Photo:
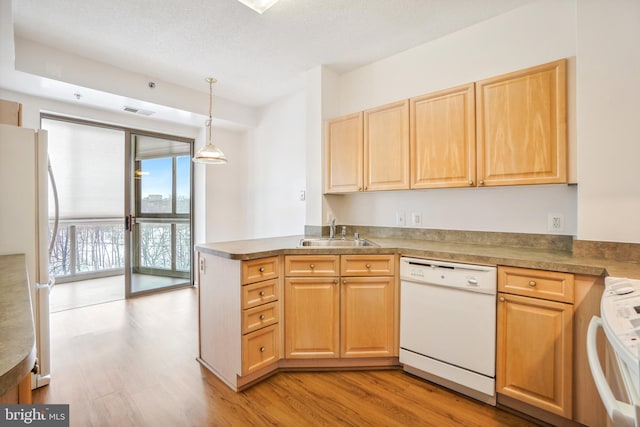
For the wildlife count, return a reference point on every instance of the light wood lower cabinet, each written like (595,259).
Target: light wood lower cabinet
(367,317)
(20,394)
(312,317)
(535,349)
(340,316)
(541,365)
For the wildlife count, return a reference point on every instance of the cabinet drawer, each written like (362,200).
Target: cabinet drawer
(260,348)
(259,293)
(367,265)
(312,265)
(259,269)
(259,317)
(550,285)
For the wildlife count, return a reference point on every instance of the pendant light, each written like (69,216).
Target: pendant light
(210,154)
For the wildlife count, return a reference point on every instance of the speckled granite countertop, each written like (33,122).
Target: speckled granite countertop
(543,259)
(17,334)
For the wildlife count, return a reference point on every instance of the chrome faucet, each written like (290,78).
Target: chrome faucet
(344,232)
(332,229)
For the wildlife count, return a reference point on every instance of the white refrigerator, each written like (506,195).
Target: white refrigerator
(24,223)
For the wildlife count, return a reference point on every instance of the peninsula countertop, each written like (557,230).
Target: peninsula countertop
(17,333)
(542,259)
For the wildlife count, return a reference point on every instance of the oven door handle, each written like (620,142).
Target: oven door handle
(621,413)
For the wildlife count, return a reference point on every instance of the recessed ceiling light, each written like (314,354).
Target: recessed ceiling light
(258,5)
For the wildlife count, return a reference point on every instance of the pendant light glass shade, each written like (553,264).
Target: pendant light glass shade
(210,154)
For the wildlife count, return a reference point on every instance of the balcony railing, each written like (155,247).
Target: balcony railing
(92,248)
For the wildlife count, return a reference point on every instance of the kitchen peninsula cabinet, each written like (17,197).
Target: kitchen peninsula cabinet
(522,127)
(443,138)
(340,306)
(239,317)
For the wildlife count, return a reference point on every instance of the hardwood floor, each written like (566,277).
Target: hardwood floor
(132,363)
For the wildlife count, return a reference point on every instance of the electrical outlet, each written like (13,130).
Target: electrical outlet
(400,219)
(555,223)
(416,218)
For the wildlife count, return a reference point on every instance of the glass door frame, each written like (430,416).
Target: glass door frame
(132,210)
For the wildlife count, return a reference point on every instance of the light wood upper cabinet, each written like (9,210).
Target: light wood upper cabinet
(443,138)
(10,113)
(344,154)
(386,147)
(522,127)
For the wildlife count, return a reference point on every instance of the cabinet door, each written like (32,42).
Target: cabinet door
(386,147)
(367,317)
(10,113)
(535,350)
(344,154)
(522,127)
(312,317)
(443,138)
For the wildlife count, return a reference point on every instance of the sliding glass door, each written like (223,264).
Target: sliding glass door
(159,221)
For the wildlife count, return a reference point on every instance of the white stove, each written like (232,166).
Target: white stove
(620,311)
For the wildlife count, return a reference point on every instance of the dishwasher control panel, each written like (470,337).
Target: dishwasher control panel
(479,278)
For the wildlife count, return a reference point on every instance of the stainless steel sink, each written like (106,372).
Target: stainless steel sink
(324,242)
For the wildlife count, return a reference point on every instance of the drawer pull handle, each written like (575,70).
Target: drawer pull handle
(261,293)
(261,269)
(532,283)
(368,265)
(344,282)
(312,266)
(501,299)
(261,349)
(262,317)
(335,281)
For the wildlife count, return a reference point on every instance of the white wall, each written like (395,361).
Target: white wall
(225,190)
(608,93)
(534,34)
(507,209)
(276,169)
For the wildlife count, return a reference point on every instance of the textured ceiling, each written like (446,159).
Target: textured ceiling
(256,58)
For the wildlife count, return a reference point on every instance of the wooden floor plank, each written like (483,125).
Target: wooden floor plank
(133,363)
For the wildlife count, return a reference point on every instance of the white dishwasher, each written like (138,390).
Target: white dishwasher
(448,325)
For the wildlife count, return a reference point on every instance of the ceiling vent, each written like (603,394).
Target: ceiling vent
(138,111)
